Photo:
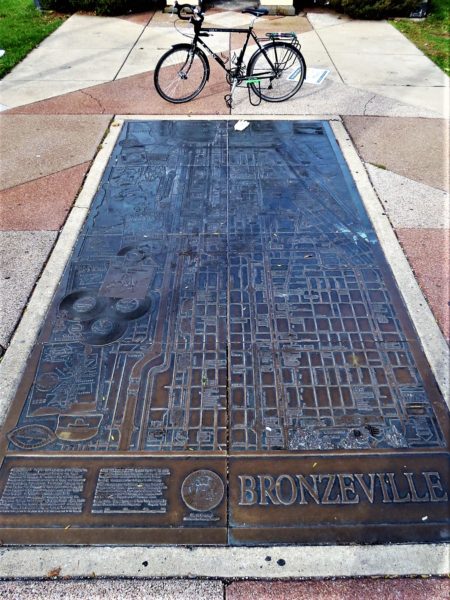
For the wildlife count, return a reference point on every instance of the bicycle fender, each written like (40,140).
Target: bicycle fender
(269,45)
(199,51)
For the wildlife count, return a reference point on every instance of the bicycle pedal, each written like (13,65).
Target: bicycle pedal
(229,100)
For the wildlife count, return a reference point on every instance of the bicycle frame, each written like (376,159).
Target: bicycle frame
(240,59)
(271,58)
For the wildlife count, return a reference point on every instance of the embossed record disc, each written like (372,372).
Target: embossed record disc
(133,254)
(128,309)
(202,490)
(104,331)
(83,305)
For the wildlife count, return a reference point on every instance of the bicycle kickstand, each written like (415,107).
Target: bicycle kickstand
(229,97)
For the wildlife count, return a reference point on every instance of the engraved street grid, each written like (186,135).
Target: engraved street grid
(196,229)
(227,295)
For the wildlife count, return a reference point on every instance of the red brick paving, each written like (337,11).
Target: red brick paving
(139,18)
(350,589)
(135,95)
(41,204)
(414,148)
(428,251)
(36,145)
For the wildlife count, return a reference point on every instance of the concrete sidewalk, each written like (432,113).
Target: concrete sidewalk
(61,100)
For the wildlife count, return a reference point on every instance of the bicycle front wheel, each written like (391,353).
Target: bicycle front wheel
(279,70)
(181,74)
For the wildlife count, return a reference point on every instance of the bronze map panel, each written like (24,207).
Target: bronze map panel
(227,313)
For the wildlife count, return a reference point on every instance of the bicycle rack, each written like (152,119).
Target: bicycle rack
(291,38)
(248,82)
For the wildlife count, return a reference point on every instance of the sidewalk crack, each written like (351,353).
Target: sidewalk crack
(368,102)
(96,100)
(116,76)
(329,55)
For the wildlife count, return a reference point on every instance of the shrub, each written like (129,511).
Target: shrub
(100,7)
(374,9)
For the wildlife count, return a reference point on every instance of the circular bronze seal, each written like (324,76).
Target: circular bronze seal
(202,490)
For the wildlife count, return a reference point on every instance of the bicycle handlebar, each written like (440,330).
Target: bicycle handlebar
(187,12)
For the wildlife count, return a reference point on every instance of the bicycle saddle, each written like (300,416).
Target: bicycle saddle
(256,12)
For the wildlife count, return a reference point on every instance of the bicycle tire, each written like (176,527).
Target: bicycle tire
(181,74)
(287,59)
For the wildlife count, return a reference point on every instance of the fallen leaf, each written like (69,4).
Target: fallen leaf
(355,360)
(54,572)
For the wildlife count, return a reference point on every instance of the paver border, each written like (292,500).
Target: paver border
(208,561)
(226,562)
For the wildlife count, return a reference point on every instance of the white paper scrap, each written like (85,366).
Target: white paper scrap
(314,76)
(241,125)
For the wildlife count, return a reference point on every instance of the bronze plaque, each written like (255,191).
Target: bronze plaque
(341,498)
(227,359)
(114,500)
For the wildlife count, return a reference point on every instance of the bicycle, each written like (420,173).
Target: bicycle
(275,71)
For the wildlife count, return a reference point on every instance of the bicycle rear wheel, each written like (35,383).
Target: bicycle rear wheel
(284,79)
(181,74)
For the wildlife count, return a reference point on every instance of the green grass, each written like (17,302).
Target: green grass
(432,36)
(22,28)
